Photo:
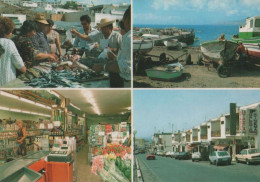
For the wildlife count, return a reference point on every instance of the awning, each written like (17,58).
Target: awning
(220,147)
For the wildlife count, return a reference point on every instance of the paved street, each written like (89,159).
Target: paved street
(168,169)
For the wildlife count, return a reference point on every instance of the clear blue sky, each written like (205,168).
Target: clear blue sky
(184,108)
(193,12)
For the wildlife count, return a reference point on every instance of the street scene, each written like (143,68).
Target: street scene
(189,135)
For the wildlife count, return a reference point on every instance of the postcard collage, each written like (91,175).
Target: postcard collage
(129,90)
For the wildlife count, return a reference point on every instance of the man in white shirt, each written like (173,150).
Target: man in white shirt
(87,30)
(107,38)
(122,62)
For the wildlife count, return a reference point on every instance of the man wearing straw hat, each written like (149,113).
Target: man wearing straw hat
(107,38)
(39,40)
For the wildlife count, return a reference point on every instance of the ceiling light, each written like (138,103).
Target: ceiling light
(53,93)
(4,108)
(89,96)
(74,106)
(8,95)
(27,100)
(15,110)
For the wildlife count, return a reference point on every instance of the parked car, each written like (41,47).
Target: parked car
(248,156)
(183,155)
(219,157)
(159,153)
(150,156)
(196,156)
(175,154)
(169,154)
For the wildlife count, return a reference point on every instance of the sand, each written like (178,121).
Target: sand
(201,76)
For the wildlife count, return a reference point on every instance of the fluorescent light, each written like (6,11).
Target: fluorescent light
(74,106)
(27,100)
(15,110)
(53,93)
(4,108)
(41,105)
(90,98)
(8,95)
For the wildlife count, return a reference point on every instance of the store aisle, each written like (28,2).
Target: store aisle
(84,168)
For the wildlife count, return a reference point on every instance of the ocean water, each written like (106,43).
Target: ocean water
(204,32)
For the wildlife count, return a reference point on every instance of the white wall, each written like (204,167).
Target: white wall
(223,127)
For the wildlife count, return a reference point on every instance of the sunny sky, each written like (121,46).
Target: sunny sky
(184,108)
(193,12)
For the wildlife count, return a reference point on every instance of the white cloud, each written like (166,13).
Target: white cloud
(151,18)
(251,3)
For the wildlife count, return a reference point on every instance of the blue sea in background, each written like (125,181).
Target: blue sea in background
(204,32)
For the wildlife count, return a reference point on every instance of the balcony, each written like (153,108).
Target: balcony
(204,137)
(215,134)
(195,138)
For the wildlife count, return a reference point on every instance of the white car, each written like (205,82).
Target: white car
(196,156)
(219,157)
(248,156)
(169,154)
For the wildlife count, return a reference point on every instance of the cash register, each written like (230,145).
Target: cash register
(61,154)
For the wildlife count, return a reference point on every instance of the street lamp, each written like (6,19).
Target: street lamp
(135,131)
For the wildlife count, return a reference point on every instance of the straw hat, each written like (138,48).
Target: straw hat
(40,17)
(104,22)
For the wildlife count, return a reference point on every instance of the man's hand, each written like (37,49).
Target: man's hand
(53,57)
(111,56)
(112,66)
(74,31)
(98,68)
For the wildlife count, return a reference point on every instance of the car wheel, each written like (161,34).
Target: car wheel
(192,160)
(247,162)
(210,162)
(217,164)
(237,160)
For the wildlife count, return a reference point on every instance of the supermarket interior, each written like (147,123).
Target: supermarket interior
(65,135)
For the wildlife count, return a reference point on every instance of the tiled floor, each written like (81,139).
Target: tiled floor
(84,168)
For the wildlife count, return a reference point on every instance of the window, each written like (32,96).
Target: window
(257,23)
(251,23)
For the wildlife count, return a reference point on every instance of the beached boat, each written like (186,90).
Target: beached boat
(143,46)
(167,72)
(218,50)
(172,44)
(249,35)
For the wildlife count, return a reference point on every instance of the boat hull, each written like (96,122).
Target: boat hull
(252,46)
(143,46)
(168,73)
(218,50)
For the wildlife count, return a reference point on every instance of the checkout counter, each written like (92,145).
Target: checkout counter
(35,168)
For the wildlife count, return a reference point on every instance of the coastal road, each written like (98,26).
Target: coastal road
(165,169)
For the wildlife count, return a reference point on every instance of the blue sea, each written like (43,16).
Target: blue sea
(204,32)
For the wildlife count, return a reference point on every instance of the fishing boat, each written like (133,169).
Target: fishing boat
(172,44)
(167,72)
(215,51)
(249,35)
(143,46)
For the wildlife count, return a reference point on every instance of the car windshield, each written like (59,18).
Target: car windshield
(222,153)
(253,151)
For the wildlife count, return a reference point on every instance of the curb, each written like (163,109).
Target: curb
(138,171)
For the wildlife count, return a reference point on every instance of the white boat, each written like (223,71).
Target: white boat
(172,44)
(168,72)
(150,36)
(143,46)
(249,35)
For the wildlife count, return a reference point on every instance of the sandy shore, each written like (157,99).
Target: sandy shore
(200,76)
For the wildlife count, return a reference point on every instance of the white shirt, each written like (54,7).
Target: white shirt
(114,39)
(84,43)
(124,57)
(9,62)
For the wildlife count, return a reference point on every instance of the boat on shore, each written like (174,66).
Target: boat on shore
(142,46)
(172,44)
(249,35)
(216,51)
(166,73)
